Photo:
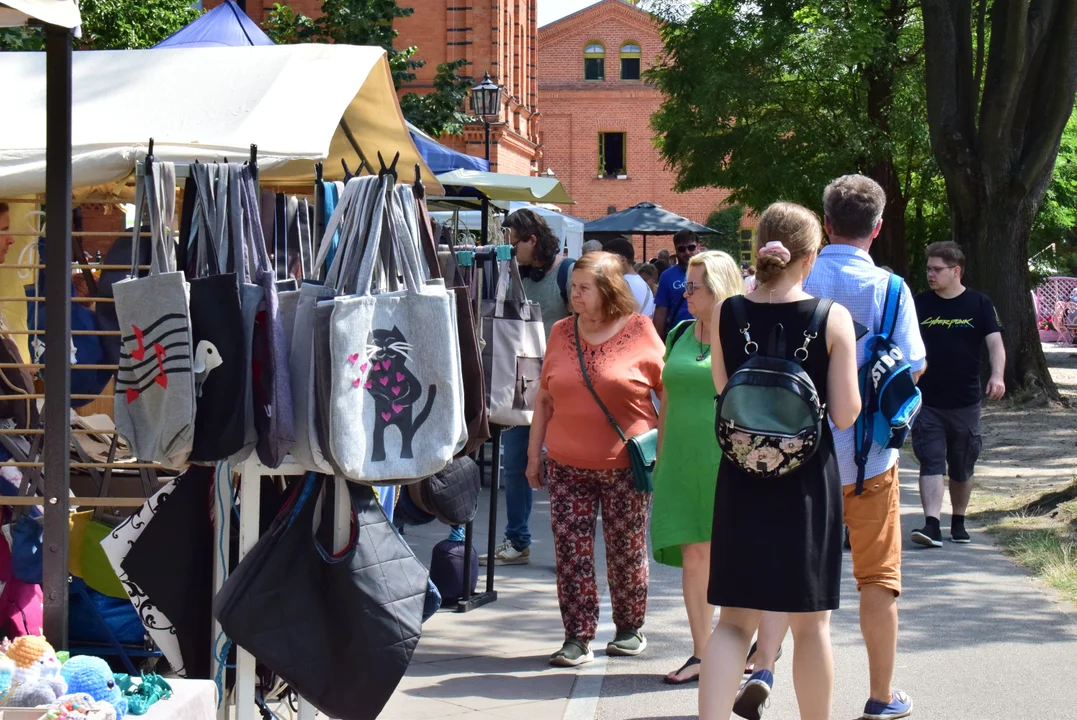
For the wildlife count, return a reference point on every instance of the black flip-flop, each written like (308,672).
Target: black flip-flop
(695,678)
(749,667)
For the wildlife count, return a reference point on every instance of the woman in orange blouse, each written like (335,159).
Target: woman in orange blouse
(588,464)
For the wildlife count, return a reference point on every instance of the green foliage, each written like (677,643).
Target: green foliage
(1056,221)
(113,25)
(439,113)
(370,22)
(771,99)
(726,223)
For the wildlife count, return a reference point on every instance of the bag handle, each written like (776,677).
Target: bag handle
(590,387)
(205,223)
(509,278)
(387,215)
(353,223)
(158,191)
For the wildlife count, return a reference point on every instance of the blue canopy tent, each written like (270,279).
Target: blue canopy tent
(224,26)
(442,159)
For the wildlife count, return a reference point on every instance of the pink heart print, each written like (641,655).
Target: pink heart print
(354,358)
(363,367)
(397,408)
(386,417)
(396,390)
(357,382)
(368,384)
(377,366)
(400,377)
(384,380)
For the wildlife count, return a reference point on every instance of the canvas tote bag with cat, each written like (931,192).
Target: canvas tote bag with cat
(515,345)
(154,405)
(395,365)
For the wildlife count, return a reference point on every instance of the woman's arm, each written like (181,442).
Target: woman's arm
(540,419)
(717,357)
(843,388)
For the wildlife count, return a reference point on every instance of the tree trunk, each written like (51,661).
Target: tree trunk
(996,155)
(890,248)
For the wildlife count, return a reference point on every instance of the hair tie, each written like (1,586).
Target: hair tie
(775,249)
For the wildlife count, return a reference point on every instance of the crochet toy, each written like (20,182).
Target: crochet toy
(36,679)
(80,706)
(93,676)
(7,671)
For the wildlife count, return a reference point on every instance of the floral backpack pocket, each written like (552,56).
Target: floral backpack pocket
(769,419)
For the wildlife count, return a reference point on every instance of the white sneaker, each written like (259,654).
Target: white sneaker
(507,554)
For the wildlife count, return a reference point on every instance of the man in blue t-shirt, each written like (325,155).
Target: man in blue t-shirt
(670,306)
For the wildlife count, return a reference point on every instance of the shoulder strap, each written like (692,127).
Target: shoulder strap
(587,381)
(817,318)
(562,278)
(891,306)
(680,330)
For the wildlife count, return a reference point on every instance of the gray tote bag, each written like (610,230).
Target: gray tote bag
(395,364)
(515,346)
(154,404)
(306,450)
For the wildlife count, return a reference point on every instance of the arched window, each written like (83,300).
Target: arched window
(631,57)
(594,62)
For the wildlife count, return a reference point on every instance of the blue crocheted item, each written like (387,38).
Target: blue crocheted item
(93,676)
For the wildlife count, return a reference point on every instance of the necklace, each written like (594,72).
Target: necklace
(703,353)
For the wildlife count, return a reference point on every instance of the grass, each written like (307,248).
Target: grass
(1040,533)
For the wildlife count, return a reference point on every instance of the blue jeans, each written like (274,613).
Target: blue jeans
(518,493)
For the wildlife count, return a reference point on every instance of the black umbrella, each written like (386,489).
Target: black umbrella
(644,219)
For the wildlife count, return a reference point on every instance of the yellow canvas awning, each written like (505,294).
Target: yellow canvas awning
(502,186)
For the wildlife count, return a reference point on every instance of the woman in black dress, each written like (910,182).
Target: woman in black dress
(776,544)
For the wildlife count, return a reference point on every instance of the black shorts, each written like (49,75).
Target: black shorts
(948,441)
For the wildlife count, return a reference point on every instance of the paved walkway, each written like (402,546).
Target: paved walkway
(979,641)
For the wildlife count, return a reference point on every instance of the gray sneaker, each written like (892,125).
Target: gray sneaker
(627,643)
(507,554)
(574,652)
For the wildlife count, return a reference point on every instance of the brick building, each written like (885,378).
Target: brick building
(495,36)
(596,111)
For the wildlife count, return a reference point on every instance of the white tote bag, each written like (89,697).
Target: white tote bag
(395,414)
(515,346)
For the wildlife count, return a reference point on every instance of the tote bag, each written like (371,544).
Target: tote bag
(154,405)
(472,380)
(306,450)
(394,413)
(515,345)
(271,386)
(220,351)
(313,617)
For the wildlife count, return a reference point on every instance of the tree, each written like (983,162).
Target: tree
(1001,78)
(726,223)
(113,25)
(1053,245)
(774,99)
(370,22)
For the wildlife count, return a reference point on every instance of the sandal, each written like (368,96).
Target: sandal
(672,678)
(749,667)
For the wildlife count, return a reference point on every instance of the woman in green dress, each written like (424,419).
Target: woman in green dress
(688,453)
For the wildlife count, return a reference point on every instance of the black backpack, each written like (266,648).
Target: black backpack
(769,418)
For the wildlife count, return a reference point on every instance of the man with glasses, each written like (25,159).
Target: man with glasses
(954,322)
(670,307)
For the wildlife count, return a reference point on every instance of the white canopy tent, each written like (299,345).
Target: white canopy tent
(297,103)
(567,228)
(63,13)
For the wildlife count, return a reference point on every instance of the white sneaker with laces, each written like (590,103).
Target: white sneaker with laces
(507,554)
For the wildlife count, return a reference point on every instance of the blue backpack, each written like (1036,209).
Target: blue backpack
(889,397)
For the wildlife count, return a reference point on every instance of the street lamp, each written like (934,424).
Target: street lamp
(485,103)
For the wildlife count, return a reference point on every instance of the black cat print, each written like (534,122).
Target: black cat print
(385,375)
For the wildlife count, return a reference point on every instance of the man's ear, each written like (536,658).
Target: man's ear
(878,229)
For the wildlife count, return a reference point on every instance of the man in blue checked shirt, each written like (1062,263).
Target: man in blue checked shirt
(845,272)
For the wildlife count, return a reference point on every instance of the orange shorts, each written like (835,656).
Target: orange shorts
(874,522)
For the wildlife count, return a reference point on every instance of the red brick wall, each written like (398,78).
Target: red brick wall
(575,111)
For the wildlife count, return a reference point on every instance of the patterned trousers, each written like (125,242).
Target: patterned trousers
(575,498)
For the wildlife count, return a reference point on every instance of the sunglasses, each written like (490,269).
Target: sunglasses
(686,248)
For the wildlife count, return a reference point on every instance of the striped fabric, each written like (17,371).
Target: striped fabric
(849,276)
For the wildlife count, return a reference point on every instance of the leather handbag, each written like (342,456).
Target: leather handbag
(642,448)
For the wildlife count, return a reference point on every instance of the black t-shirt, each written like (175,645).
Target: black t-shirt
(953,332)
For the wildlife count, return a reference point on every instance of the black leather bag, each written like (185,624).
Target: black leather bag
(452,495)
(339,629)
